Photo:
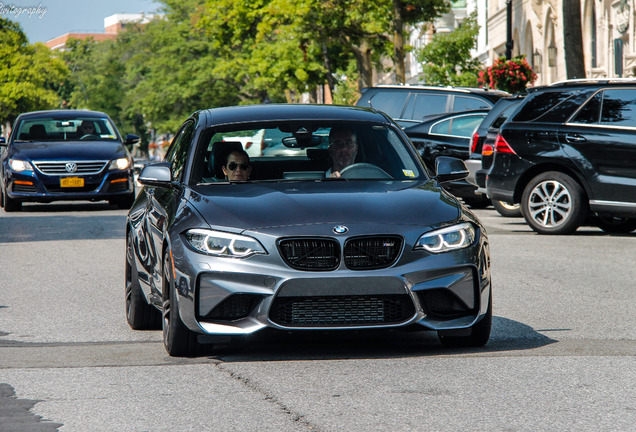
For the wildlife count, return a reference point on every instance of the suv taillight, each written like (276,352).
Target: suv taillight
(473,145)
(501,146)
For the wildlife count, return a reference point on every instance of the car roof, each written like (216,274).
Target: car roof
(283,112)
(63,113)
(585,82)
(468,90)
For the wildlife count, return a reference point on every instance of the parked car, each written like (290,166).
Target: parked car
(49,157)
(567,156)
(382,246)
(410,105)
(449,134)
(482,148)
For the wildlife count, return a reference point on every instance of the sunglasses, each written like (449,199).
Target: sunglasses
(233,165)
(338,144)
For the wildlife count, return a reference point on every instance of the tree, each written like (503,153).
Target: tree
(447,59)
(405,12)
(29,74)
(573,39)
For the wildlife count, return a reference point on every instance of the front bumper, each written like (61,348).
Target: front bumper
(221,296)
(32,186)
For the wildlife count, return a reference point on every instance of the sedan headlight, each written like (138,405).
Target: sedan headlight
(223,244)
(120,164)
(447,239)
(19,165)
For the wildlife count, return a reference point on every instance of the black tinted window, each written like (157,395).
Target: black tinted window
(589,114)
(541,102)
(390,102)
(619,107)
(178,151)
(421,105)
(467,103)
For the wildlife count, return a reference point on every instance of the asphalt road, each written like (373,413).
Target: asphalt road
(562,355)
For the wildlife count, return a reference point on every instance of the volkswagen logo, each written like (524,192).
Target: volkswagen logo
(71,167)
(340,229)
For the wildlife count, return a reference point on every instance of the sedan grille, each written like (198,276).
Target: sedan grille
(365,253)
(311,254)
(70,167)
(336,311)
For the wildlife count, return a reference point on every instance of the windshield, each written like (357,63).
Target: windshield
(305,151)
(66,129)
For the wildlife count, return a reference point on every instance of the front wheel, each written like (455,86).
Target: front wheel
(139,314)
(554,203)
(178,339)
(616,225)
(10,204)
(507,210)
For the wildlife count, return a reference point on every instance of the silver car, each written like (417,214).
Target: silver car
(382,246)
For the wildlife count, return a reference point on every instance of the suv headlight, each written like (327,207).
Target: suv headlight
(223,244)
(19,165)
(447,239)
(119,164)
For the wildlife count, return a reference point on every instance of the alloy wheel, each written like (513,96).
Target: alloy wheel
(550,204)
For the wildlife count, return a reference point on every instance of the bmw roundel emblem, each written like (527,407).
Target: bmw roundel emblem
(340,229)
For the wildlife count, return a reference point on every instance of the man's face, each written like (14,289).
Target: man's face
(343,149)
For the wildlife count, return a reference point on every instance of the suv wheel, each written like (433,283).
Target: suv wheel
(507,210)
(553,203)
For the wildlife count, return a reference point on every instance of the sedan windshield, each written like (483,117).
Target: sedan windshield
(66,129)
(305,151)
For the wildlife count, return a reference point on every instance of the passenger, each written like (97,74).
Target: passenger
(237,166)
(343,148)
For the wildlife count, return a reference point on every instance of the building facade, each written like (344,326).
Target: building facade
(608,36)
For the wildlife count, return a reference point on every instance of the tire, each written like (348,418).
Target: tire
(178,339)
(616,225)
(10,204)
(507,210)
(554,203)
(139,314)
(479,333)
(124,203)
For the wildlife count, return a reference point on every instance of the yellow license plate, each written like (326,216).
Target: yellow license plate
(72,182)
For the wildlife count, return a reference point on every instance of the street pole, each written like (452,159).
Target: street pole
(509,42)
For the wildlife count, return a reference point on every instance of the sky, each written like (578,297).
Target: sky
(42,20)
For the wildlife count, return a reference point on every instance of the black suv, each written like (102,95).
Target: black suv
(410,105)
(568,156)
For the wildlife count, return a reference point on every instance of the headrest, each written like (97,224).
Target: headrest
(37,131)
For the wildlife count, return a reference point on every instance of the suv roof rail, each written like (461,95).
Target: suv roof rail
(579,81)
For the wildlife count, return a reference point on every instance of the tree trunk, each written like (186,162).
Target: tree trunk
(573,39)
(327,63)
(363,59)
(398,42)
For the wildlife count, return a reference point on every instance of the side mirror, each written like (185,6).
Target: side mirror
(156,175)
(131,139)
(449,169)
(3,141)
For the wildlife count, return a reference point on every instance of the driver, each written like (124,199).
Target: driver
(86,128)
(343,148)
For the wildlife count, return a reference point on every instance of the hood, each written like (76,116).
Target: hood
(265,205)
(69,150)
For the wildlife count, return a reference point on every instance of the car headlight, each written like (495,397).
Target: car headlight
(223,244)
(447,239)
(120,164)
(19,165)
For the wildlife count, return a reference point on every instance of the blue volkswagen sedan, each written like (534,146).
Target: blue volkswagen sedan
(66,155)
(221,245)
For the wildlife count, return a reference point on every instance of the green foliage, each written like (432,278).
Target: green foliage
(447,59)
(29,74)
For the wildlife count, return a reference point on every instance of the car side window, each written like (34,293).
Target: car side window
(589,114)
(619,107)
(458,126)
(466,103)
(391,103)
(421,105)
(178,151)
